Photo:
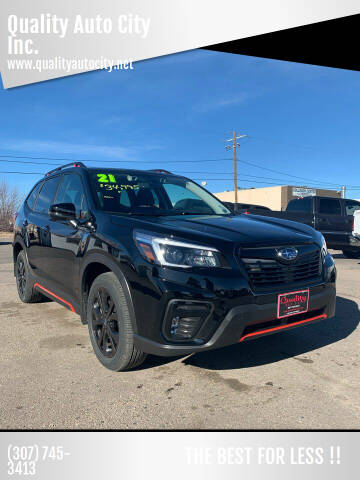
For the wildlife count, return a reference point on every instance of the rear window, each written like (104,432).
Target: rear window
(33,196)
(300,205)
(330,206)
(46,195)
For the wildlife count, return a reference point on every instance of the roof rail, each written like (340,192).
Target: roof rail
(72,164)
(160,170)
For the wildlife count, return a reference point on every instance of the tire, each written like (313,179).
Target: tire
(110,328)
(24,287)
(351,253)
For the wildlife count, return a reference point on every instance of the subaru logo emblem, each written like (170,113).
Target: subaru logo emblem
(288,253)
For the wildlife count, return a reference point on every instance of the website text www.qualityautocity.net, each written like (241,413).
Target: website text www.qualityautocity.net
(67,65)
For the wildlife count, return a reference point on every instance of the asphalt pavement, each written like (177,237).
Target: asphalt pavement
(305,378)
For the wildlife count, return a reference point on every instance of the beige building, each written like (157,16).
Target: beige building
(275,198)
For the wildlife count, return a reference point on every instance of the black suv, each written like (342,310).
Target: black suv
(153,263)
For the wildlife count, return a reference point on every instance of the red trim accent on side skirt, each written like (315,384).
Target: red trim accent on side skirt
(282,327)
(53,294)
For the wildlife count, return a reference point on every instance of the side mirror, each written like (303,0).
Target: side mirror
(62,211)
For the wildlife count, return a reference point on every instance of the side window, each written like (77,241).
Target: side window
(329,206)
(183,199)
(124,199)
(300,205)
(178,194)
(46,195)
(351,206)
(33,196)
(71,191)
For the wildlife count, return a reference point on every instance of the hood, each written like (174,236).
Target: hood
(242,229)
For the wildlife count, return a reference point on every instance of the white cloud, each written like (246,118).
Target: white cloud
(59,149)
(117,120)
(218,103)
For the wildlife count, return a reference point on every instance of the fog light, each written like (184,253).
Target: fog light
(185,328)
(185,319)
(174,326)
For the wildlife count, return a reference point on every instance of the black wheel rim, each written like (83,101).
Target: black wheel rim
(21,277)
(105,323)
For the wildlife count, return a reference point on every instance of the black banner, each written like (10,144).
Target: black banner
(332,44)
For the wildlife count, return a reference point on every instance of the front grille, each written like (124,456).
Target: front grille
(264,272)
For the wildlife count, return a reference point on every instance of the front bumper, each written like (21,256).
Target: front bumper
(354,240)
(249,321)
(341,240)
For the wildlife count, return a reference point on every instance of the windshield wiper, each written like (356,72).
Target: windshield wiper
(168,214)
(189,213)
(143,214)
(198,213)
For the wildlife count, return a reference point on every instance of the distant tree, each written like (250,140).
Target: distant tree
(10,201)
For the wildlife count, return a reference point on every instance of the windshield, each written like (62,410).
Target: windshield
(152,194)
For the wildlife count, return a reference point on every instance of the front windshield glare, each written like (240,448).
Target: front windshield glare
(152,194)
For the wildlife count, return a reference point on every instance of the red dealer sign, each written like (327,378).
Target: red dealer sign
(293,303)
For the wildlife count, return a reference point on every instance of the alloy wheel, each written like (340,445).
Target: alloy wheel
(105,323)
(21,277)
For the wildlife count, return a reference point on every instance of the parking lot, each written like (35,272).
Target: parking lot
(305,378)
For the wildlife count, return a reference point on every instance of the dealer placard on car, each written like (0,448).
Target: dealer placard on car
(293,303)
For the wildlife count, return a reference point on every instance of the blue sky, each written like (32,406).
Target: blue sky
(301,120)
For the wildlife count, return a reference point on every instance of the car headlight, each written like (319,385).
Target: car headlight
(174,253)
(324,250)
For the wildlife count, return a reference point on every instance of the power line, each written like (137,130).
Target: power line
(195,179)
(112,161)
(244,180)
(28,162)
(178,172)
(5,158)
(277,180)
(58,160)
(289,174)
(244,174)
(24,173)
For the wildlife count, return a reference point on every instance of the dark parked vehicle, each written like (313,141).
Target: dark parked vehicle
(246,207)
(356,228)
(153,263)
(333,217)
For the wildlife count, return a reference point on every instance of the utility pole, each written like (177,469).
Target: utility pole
(343,191)
(234,146)
(235,170)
